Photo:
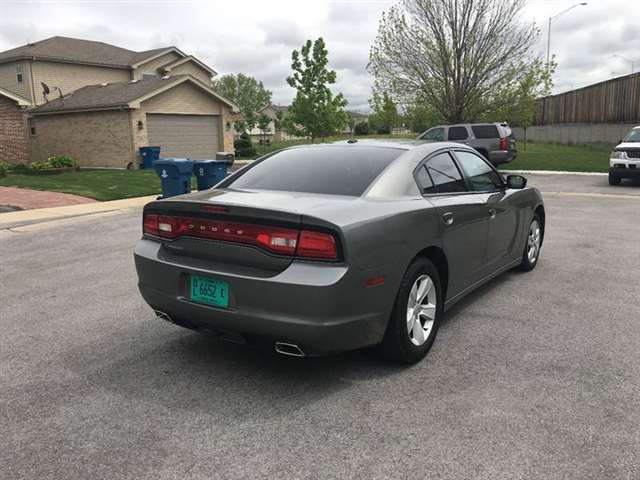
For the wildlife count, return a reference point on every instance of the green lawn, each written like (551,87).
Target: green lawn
(115,184)
(570,158)
(99,184)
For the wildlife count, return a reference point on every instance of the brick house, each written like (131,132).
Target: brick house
(13,139)
(99,103)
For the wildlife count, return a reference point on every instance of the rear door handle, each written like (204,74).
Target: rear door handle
(492,213)
(448,218)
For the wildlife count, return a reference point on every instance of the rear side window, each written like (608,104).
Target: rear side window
(435,134)
(332,170)
(445,174)
(485,131)
(458,133)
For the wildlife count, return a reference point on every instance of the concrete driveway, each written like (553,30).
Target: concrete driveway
(533,376)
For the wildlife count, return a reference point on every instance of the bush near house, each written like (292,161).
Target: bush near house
(4,166)
(244,147)
(56,161)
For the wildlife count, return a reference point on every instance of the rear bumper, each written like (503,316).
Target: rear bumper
(502,156)
(322,308)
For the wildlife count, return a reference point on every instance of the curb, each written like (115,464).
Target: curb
(552,172)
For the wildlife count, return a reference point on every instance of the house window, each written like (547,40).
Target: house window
(32,127)
(19,74)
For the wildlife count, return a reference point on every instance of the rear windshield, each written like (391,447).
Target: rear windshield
(333,170)
(485,131)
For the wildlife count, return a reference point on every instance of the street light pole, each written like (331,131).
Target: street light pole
(633,64)
(549,31)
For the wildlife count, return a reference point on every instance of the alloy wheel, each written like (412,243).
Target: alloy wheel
(421,309)
(533,241)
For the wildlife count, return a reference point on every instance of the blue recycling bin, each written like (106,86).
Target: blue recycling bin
(209,172)
(175,175)
(149,155)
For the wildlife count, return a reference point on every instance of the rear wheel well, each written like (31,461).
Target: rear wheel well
(439,259)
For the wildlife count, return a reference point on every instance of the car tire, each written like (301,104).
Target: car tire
(405,343)
(532,244)
(614,179)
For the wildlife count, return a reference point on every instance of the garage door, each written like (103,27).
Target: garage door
(184,136)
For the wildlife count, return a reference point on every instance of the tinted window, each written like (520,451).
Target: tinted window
(485,131)
(445,174)
(424,180)
(435,134)
(482,178)
(334,170)
(458,133)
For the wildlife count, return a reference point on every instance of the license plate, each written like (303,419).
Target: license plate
(209,291)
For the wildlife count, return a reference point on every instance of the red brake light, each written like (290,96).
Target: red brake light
(283,241)
(504,143)
(150,224)
(317,245)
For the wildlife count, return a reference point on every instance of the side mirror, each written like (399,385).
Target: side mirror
(517,182)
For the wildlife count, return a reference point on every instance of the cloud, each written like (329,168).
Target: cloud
(256,37)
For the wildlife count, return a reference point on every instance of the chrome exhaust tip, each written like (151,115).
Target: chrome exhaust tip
(289,349)
(164,316)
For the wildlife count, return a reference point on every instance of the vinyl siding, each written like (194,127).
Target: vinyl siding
(94,139)
(185,98)
(9,80)
(191,68)
(70,77)
(152,66)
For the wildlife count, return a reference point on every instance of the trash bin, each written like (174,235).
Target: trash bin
(149,155)
(175,175)
(209,172)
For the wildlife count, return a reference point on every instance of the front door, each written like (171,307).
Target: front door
(463,219)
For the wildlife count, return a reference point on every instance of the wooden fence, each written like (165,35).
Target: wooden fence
(614,101)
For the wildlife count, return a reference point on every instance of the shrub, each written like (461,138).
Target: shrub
(4,166)
(361,128)
(243,146)
(20,168)
(56,161)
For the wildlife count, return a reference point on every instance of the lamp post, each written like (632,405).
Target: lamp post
(549,31)
(633,64)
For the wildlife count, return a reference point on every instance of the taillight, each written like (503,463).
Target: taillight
(504,143)
(317,245)
(282,241)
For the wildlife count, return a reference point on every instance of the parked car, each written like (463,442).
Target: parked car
(324,248)
(495,141)
(625,158)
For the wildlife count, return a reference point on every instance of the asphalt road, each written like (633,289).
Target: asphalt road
(534,376)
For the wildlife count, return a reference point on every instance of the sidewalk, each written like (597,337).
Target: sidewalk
(14,219)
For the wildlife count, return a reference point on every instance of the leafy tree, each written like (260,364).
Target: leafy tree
(460,56)
(420,116)
(385,112)
(278,122)
(315,109)
(246,92)
(523,96)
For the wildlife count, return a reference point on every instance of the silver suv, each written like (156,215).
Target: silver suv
(494,141)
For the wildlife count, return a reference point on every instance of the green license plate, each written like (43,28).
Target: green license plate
(209,291)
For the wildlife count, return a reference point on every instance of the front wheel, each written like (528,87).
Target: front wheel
(532,247)
(416,313)
(614,179)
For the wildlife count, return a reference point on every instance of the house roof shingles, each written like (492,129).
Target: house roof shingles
(105,96)
(65,49)
(114,95)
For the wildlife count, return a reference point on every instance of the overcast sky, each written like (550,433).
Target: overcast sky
(256,37)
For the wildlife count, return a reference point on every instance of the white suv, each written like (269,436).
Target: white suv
(625,158)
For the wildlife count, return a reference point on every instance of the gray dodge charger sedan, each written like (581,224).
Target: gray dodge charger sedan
(324,248)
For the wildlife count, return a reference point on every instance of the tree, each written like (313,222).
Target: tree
(420,116)
(523,97)
(315,109)
(385,112)
(278,122)
(263,125)
(246,92)
(459,56)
